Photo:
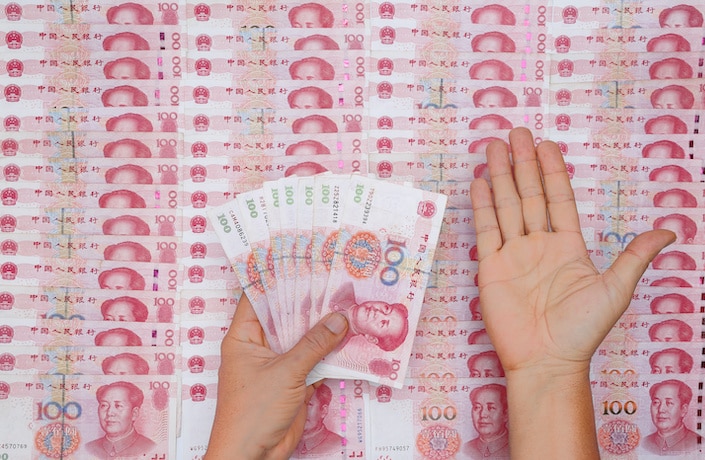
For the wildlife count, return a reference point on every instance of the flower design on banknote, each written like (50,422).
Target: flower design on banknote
(270,261)
(618,436)
(253,273)
(362,254)
(328,250)
(308,255)
(57,439)
(438,442)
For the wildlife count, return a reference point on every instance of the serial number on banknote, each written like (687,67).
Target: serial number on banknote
(13,445)
(392,448)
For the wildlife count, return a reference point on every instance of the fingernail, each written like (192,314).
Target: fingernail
(336,323)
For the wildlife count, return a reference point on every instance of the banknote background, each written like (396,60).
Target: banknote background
(122,124)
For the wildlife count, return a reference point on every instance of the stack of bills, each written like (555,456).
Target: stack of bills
(303,247)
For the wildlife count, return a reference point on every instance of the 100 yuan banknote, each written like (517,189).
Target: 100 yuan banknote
(74,416)
(380,269)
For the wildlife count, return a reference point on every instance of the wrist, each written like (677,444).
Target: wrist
(550,374)
(550,410)
(232,442)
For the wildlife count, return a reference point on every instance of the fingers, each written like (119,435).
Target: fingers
(487,234)
(560,200)
(621,278)
(316,344)
(507,203)
(245,325)
(528,180)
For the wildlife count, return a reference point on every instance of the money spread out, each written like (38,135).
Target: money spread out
(376,258)
(125,125)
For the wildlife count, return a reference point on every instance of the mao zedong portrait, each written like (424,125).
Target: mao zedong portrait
(125,364)
(671,361)
(317,440)
(307,147)
(119,405)
(310,97)
(671,330)
(674,260)
(121,278)
(663,149)
(312,68)
(668,43)
(675,198)
(124,96)
(485,365)
(124,308)
(492,42)
(117,337)
(670,400)
(683,226)
(127,251)
(680,16)
(386,325)
(316,42)
(311,16)
(494,15)
(670,303)
(127,68)
(665,124)
(670,173)
(489,418)
(129,13)
(671,68)
(306,168)
(125,41)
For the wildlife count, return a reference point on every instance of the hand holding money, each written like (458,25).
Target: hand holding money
(262,396)
(545,305)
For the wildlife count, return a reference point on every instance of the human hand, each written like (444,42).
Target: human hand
(262,396)
(545,305)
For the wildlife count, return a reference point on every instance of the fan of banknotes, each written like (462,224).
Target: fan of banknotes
(303,247)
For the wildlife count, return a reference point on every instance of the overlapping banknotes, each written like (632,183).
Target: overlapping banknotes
(303,247)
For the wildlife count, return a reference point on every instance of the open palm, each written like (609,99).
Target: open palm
(542,299)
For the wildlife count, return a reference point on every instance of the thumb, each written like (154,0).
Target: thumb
(630,265)
(316,344)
